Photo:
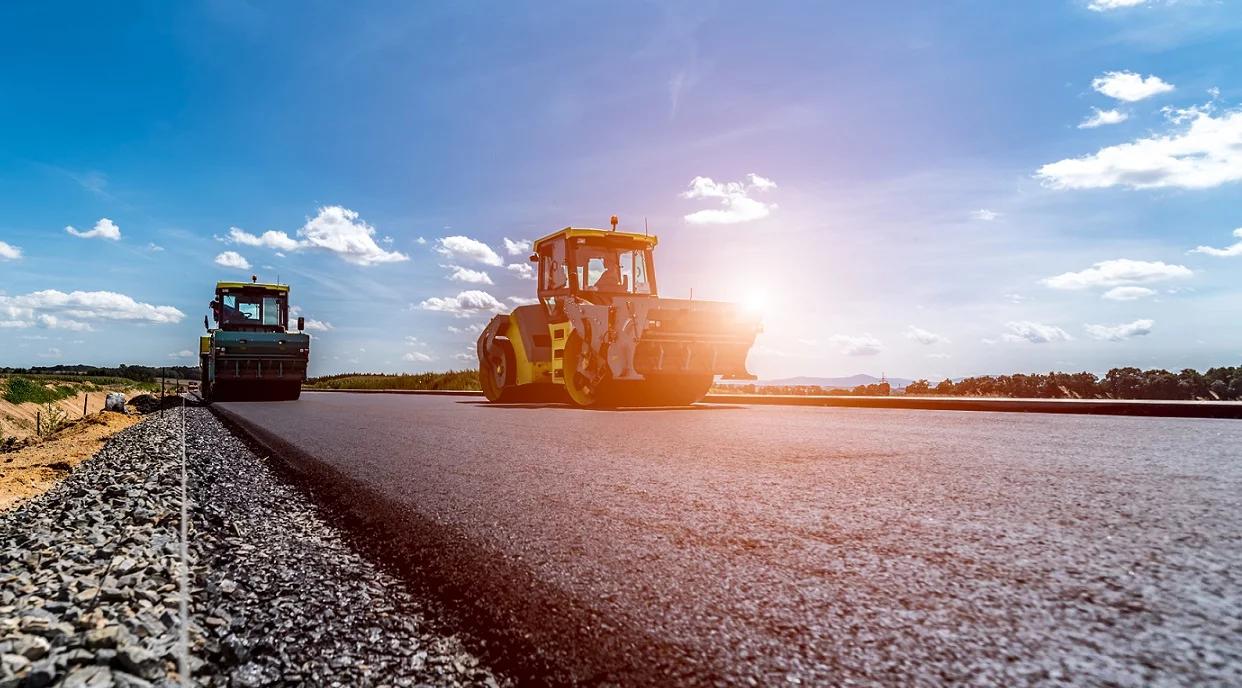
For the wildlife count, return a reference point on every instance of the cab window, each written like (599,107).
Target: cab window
(271,310)
(553,271)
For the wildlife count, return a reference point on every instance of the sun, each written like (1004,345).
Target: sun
(754,300)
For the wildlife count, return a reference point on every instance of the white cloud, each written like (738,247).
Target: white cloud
(1106,5)
(334,229)
(922,336)
(1118,273)
(1205,154)
(469,276)
(1117,333)
(523,300)
(1228,251)
(522,270)
(184,353)
(232,259)
(476,328)
(340,231)
(154,247)
(734,196)
(311,323)
(516,248)
(856,345)
(67,311)
(416,356)
(1128,293)
(9,252)
(465,304)
(104,229)
(1129,86)
(53,322)
(461,247)
(1035,333)
(269,239)
(984,214)
(1100,118)
(420,241)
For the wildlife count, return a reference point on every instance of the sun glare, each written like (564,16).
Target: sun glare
(755,300)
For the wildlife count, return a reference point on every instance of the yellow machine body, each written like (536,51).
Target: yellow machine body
(601,335)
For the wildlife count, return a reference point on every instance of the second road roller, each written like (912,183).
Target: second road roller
(251,354)
(601,336)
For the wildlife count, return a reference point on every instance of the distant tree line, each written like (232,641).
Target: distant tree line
(1223,383)
(137,373)
(880,389)
(450,380)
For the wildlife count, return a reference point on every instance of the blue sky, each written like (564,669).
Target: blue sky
(909,188)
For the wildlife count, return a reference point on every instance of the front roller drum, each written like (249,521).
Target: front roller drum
(672,390)
(655,390)
(253,390)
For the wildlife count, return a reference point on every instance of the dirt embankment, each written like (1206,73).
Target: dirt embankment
(19,420)
(35,468)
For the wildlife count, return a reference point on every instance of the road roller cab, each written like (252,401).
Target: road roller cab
(251,354)
(600,335)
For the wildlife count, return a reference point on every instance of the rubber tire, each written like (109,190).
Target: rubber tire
(499,383)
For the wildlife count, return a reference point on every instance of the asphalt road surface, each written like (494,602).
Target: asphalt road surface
(769,545)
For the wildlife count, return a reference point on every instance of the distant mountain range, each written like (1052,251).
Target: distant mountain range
(838,382)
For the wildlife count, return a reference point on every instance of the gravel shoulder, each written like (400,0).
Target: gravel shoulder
(89,579)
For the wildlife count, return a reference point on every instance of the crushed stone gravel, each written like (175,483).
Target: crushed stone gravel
(89,572)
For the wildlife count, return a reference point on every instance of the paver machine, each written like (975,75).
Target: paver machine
(600,335)
(251,354)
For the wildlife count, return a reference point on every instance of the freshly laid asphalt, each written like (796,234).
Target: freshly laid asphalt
(768,545)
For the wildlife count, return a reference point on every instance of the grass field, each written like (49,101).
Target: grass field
(22,390)
(45,389)
(451,380)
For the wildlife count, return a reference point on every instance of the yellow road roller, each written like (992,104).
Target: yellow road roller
(601,336)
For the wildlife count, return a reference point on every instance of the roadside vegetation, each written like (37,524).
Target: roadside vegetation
(102,375)
(47,389)
(1217,384)
(24,390)
(451,380)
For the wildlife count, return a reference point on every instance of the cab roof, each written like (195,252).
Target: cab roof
(252,285)
(571,232)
